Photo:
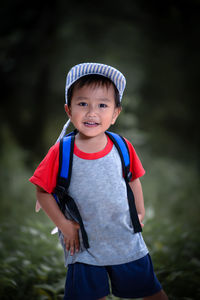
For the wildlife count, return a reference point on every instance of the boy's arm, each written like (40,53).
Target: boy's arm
(139,200)
(68,228)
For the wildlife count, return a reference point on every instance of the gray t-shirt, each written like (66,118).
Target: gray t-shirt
(99,190)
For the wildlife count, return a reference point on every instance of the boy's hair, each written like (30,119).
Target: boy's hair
(97,80)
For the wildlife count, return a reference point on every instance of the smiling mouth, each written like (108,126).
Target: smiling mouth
(91,124)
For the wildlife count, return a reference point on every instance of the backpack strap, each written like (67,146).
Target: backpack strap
(122,148)
(63,199)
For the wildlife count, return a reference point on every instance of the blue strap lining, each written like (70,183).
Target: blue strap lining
(66,157)
(122,147)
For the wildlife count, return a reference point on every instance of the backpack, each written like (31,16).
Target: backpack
(65,201)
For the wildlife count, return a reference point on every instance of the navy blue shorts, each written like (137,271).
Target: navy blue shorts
(131,280)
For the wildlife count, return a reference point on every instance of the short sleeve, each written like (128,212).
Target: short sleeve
(136,167)
(46,173)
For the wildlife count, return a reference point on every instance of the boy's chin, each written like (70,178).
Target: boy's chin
(89,135)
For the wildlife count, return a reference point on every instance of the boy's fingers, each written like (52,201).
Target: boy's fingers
(77,244)
(67,244)
(73,244)
(72,248)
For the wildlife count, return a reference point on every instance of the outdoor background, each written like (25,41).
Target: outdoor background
(156,45)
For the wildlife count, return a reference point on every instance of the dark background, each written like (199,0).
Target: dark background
(155,44)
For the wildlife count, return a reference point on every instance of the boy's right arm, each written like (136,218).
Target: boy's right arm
(69,228)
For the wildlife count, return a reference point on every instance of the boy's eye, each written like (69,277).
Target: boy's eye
(103,105)
(82,104)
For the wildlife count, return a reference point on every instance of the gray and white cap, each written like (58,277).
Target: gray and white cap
(84,69)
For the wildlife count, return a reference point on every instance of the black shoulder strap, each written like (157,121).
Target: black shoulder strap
(122,148)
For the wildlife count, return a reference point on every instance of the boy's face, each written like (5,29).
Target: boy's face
(92,109)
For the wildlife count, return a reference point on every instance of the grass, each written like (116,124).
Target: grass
(32,264)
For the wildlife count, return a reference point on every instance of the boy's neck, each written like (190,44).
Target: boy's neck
(91,144)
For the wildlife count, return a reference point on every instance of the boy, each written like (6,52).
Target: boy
(93,103)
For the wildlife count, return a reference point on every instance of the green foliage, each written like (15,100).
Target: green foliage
(31,262)
(171,189)
(174,249)
(16,196)
(32,266)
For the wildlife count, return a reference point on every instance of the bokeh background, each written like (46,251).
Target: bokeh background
(156,45)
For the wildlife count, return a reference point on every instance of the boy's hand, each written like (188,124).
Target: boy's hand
(140,219)
(71,236)
(69,228)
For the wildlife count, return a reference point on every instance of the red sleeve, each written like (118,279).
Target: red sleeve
(136,167)
(45,175)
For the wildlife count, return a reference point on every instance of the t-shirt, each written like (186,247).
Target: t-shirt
(46,173)
(99,190)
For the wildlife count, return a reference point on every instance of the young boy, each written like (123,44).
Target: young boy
(93,103)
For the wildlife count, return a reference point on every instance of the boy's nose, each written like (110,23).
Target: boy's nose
(91,110)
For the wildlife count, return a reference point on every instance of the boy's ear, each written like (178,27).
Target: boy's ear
(116,114)
(67,110)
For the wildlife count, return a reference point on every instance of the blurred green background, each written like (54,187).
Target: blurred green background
(156,45)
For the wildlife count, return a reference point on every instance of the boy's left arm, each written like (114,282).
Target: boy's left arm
(139,200)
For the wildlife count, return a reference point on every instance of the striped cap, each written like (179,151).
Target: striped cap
(81,70)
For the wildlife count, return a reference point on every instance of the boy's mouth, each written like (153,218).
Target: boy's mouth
(91,124)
